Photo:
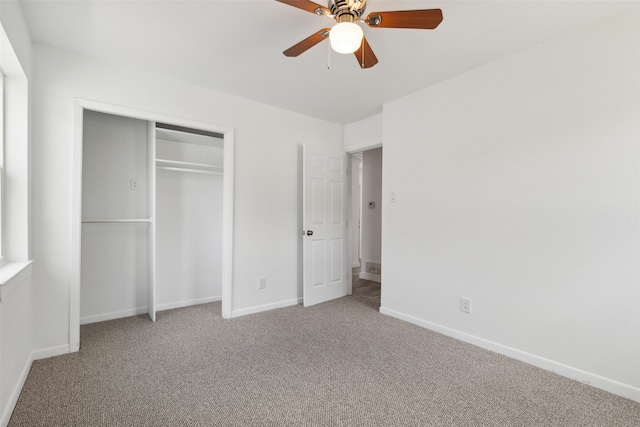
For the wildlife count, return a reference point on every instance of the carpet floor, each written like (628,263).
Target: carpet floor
(340,363)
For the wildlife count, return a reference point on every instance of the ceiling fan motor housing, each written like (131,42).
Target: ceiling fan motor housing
(347,10)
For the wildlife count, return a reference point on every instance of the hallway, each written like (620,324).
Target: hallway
(366,290)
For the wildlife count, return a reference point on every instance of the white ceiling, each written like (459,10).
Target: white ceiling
(235,46)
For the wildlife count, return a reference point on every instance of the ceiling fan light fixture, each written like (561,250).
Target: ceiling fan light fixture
(346,37)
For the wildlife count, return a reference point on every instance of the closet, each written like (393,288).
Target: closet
(151,236)
(188,216)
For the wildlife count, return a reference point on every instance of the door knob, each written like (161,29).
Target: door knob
(309,232)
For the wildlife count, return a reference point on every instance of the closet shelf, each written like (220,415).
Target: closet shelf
(117,221)
(175,165)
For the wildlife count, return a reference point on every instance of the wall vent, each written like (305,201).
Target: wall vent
(372,268)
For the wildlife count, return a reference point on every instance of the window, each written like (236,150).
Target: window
(14,163)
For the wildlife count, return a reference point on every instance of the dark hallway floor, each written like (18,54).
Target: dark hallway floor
(366,289)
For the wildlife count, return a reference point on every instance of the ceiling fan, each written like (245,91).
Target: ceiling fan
(346,35)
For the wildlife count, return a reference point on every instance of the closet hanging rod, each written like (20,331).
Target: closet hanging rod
(189,130)
(171,168)
(189,165)
(118,221)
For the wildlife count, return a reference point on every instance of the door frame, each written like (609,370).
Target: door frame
(80,105)
(354,176)
(351,150)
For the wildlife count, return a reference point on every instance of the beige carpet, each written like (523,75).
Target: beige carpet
(340,363)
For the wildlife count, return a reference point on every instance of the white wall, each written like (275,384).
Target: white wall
(363,134)
(371,217)
(16,340)
(518,187)
(266,220)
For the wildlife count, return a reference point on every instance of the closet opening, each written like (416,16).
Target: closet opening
(152,215)
(188,212)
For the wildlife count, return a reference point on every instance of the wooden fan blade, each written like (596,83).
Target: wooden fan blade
(365,56)
(309,6)
(426,19)
(307,43)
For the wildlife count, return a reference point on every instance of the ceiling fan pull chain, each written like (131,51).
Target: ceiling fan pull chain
(329,57)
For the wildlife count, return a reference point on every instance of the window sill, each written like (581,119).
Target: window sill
(10,272)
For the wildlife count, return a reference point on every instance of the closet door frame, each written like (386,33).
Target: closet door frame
(76,200)
(151,208)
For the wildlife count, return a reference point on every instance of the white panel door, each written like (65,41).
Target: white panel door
(326,267)
(151,200)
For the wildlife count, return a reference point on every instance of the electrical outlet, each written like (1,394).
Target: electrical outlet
(465,305)
(133,183)
(262,282)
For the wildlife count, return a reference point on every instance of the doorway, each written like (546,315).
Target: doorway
(227,137)
(366,216)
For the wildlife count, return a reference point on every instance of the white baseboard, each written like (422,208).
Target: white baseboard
(369,276)
(15,393)
(266,307)
(45,353)
(612,386)
(187,303)
(142,310)
(113,315)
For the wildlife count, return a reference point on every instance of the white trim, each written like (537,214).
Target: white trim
(371,277)
(363,146)
(76,228)
(2,215)
(142,310)
(113,315)
(151,211)
(266,307)
(15,393)
(227,224)
(16,161)
(45,353)
(2,180)
(612,386)
(76,202)
(187,303)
